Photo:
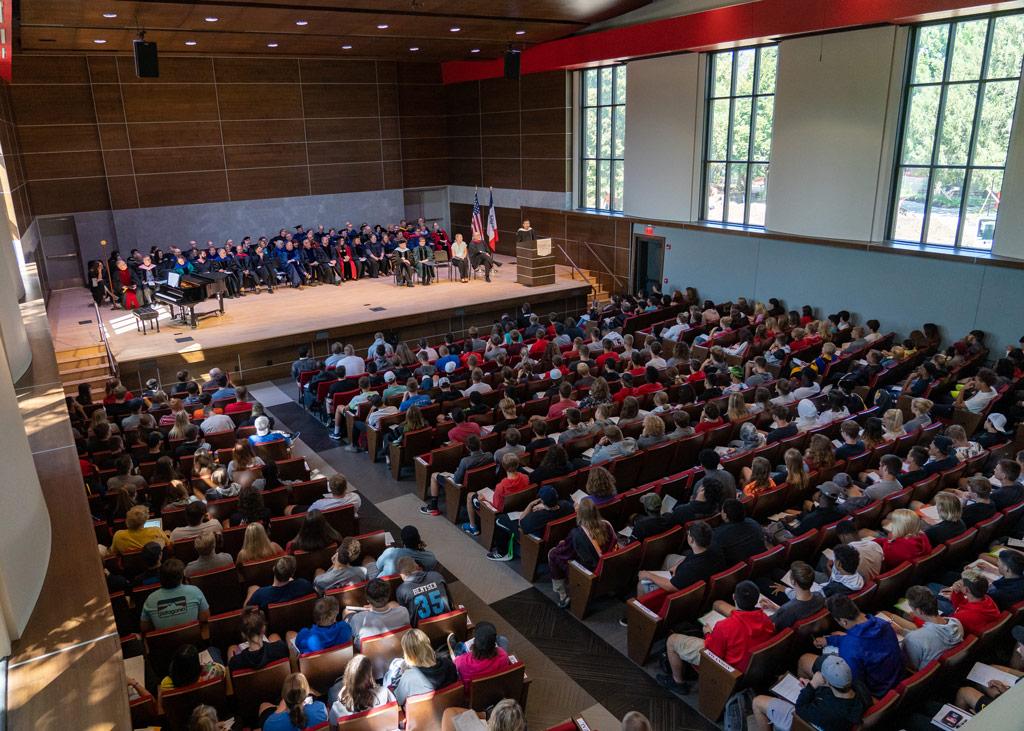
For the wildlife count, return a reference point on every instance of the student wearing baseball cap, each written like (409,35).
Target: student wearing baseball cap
(831,699)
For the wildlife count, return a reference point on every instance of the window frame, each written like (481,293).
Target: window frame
(598,159)
(709,100)
(944,84)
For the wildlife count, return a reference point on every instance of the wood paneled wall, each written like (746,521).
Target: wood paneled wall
(10,151)
(95,137)
(511,134)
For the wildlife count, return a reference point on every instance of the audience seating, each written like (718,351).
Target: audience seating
(323,667)
(252,687)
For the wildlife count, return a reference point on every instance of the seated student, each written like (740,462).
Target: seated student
(187,669)
(488,654)
(152,554)
(173,603)
(413,397)
(803,599)
(214,422)
(844,577)
(929,634)
(949,525)
(476,458)
(327,630)
(512,446)
(941,456)
(343,570)
(357,690)
(652,522)
(738,537)
(830,700)
(423,671)
(532,520)
(379,615)
(198,522)
(824,511)
(868,645)
(423,593)
(540,440)
(193,442)
(711,462)
(905,541)
(412,545)
(256,649)
(917,458)
(732,639)
(463,428)
(314,534)
(681,571)
(852,445)
(681,424)
(994,432)
(968,601)
(284,588)
(206,545)
(263,433)
(1008,589)
(710,418)
(889,469)
(124,475)
(1009,492)
(296,711)
(135,535)
(708,496)
(781,427)
(586,543)
(513,482)
(339,495)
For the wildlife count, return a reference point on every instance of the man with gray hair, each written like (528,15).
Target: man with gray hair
(213,380)
(354,365)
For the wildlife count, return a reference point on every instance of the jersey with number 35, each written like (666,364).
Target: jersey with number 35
(424,594)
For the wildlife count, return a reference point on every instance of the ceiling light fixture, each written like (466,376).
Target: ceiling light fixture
(475,50)
(415,48)
(190,43)
(382,26)
(455,30)
(271,45)
(211,20)
(99,40)
(520,32)
(301,22)
(346,48)
(110,15)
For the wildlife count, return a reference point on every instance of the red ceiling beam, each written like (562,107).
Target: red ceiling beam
(7,28)
(762,19)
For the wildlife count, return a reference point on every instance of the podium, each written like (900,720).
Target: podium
(535,263)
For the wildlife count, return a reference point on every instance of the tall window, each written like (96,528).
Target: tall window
(738,142)
(958,111)
(602,148)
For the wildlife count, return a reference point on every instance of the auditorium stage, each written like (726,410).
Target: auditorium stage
(257,335)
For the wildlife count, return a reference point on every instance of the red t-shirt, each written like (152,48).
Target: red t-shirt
(237,406)
(647,388)
(508,486)
(734,638)
(604,357)
(623,393)
(470,668)
(460,432)
(558,408)
(703,426)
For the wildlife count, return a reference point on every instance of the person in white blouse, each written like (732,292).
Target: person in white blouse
(460,257)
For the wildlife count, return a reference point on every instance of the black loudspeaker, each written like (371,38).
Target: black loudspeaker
(511,65)
(146,64)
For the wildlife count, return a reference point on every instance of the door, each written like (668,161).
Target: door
(59,254)
(649,261)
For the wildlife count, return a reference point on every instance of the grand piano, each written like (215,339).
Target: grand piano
(184,291)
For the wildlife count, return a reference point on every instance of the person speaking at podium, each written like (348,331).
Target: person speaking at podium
(525,233)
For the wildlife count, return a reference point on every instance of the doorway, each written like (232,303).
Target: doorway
(649,261)
(59,253)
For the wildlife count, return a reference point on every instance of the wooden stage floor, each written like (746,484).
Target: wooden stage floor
(349,310)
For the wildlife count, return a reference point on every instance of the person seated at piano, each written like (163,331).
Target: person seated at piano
(480,256)
(297,274)
(460,257)
(148,273)
(263,266)
(439,238)
(224,264)
(127,285)
(310,262)
(424,257)
(403,264)
(370,255)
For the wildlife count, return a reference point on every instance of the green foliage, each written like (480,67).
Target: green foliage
(603,129)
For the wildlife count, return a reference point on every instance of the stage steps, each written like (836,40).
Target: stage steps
(602,295)
(86,364)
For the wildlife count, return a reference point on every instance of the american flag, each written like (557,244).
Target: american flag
(477,225)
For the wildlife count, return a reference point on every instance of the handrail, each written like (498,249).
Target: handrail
(618,280)
(572,264)
(111,363)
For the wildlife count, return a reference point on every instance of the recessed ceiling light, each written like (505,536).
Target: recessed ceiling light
(190,43)
(99,40)
(382,26)
(110,15)
(455,30)
(301,22)
(211,20)
(475,50)
(271,45)
(520,32)
(346,48)
(415,48)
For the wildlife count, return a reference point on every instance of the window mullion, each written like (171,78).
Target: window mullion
(937,142)
(975,124)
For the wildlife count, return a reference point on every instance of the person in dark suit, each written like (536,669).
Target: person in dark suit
(403,259)
(424,256)
(480,255)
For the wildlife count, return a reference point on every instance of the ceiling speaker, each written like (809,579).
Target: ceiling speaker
(512,65)
(146,64)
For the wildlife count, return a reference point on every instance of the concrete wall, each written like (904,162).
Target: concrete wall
(900,291)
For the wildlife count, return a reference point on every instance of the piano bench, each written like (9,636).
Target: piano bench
(145,315)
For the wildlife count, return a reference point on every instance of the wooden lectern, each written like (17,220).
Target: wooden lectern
(535,262)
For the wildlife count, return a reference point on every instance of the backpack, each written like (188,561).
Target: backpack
(735,718)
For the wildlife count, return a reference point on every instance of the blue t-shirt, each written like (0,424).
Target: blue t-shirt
(312,639)
(274,594)
(316,713)
(269,437)
(440,363)
(420,399)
